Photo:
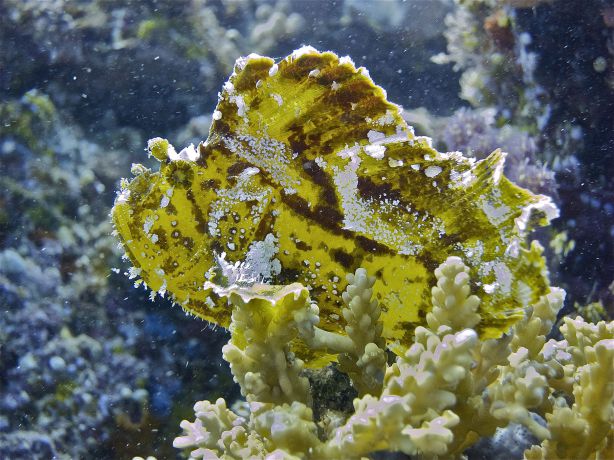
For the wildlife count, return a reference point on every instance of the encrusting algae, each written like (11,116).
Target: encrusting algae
(309,173)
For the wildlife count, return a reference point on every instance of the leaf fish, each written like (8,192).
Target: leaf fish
(308,173)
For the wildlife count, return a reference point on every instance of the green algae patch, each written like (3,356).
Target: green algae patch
(309,173)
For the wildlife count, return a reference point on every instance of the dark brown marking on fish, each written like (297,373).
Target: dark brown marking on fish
(144,274)
(288,275)
(372,105)
(301,245)
(319,177)
(264,225)
(201,308)
(316,173)
(254,70)
(300,206)
(328,216)
(367,104)
(449,240)
(430,263)
(210,184)
(338,74)
(188,243)
(408,328)
(296,138)
(327,148)
(358,88)
(368,257)
(255,103)
(237,168)
(351,92)
(297,204)
(169,265)
(329,196)
(130,253)
(201,226)
(298,69)
(219,128)
(403,181)
(137,221)
(216,247)
(151,202)
(162,238)
(342,257)
(305,131)
(416,279)
(369,189)
(203,154)
(372,246)
(297,144)
(313,138)
(170,209)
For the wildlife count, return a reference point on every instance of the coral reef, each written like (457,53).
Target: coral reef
(47,372)
(81,371)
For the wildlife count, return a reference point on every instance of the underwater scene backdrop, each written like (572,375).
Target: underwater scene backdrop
(394,236)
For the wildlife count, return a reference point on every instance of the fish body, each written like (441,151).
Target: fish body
(309,173)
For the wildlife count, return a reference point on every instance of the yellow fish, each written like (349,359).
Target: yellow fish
(309,173)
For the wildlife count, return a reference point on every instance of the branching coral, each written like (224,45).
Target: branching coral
(447,376)
(582,429)
(366,362)
(262,327)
